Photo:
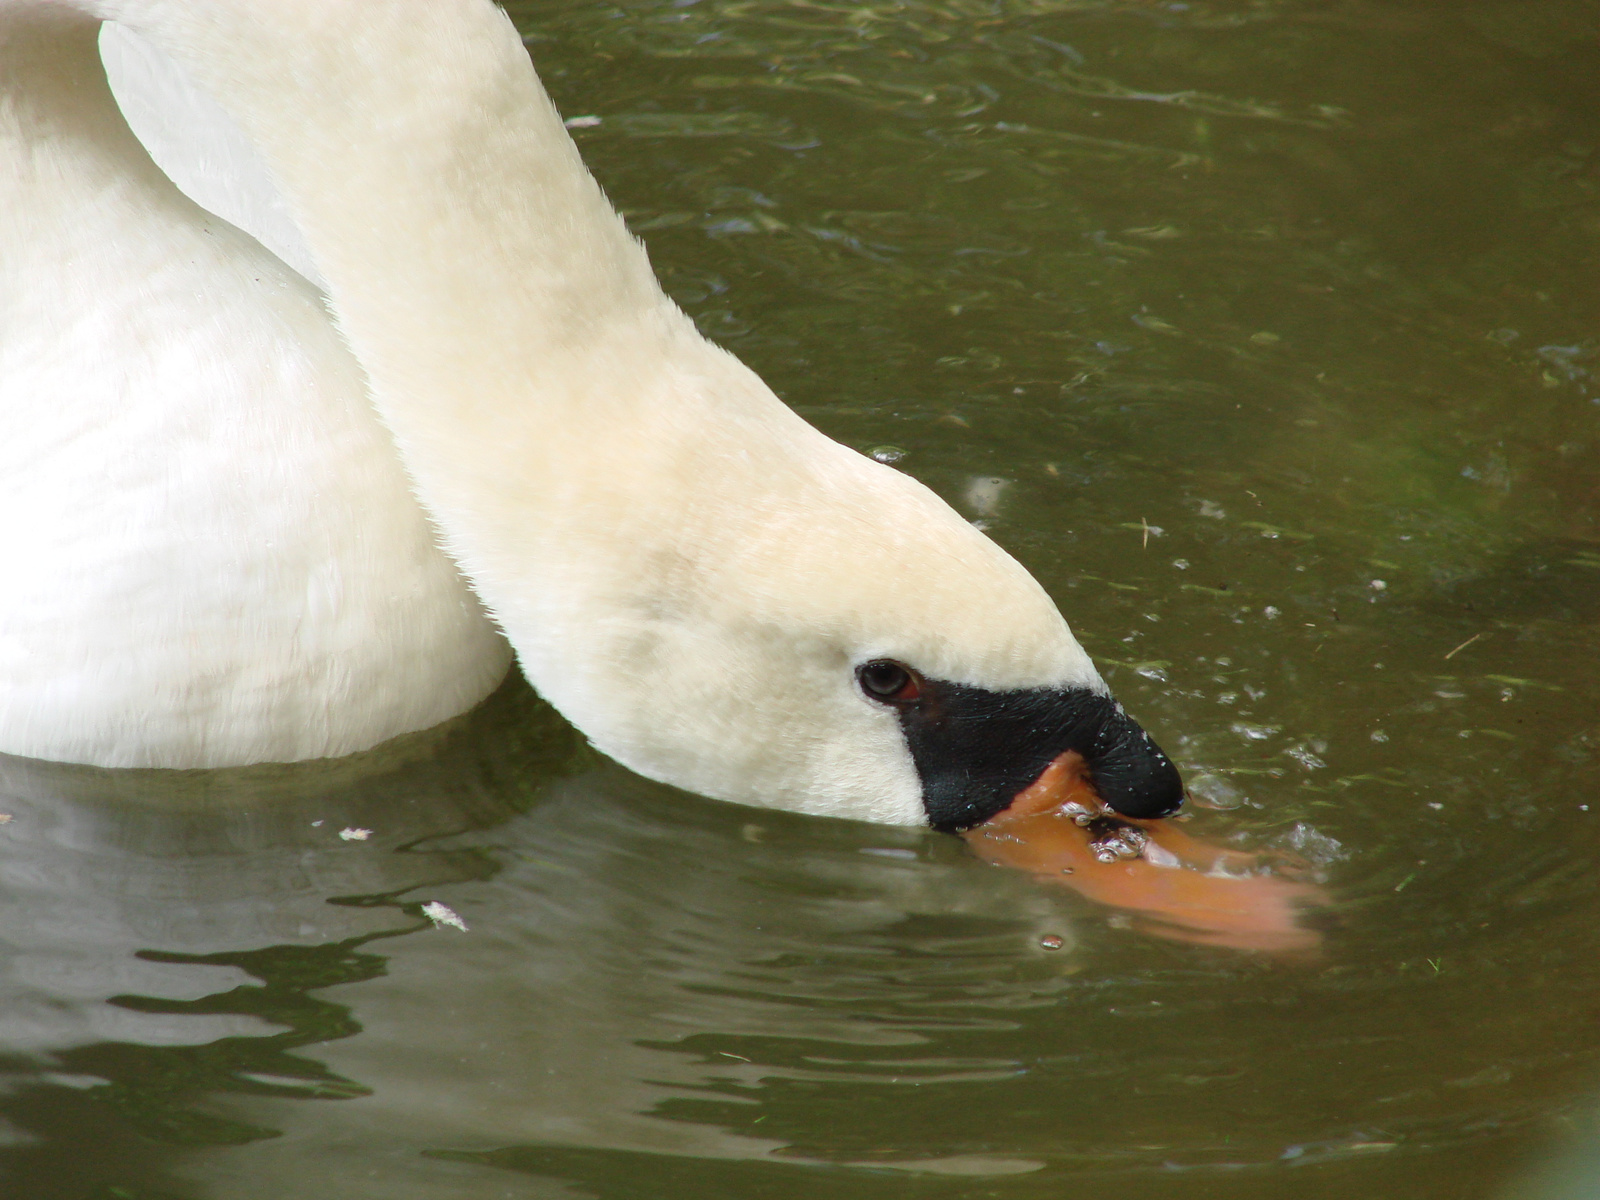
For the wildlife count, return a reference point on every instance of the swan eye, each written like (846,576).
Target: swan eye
(889,681)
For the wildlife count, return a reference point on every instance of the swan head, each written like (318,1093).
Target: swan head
(800,627)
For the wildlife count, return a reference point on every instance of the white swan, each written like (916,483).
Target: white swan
(214,551)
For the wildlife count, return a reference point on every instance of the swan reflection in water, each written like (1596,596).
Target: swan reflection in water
(202,955)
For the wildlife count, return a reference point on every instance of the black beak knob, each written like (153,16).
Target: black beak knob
(1129,771)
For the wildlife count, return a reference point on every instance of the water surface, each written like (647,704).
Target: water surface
(1264,334)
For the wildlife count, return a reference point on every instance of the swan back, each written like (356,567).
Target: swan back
(213,554)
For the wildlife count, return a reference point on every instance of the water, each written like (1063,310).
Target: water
(1220,316)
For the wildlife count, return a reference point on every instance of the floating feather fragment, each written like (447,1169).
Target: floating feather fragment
(442,914)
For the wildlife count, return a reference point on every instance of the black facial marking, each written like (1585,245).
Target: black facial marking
(976,749)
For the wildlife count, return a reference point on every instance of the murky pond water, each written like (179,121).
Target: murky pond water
(1265,334)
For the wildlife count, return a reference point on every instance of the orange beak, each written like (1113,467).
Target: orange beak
(1177,887)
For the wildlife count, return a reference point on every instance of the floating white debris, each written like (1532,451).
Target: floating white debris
(890,852)
(984,493)
(588,122)
(443,914)
(355,835)
(1256,733)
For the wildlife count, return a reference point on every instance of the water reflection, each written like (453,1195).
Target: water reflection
(203,954)
(231,1001)
(1251,309)
(1570,1168)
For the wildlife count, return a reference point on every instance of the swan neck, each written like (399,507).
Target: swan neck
(495,299)
(463,242)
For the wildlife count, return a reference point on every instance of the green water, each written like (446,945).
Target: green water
(1249,306)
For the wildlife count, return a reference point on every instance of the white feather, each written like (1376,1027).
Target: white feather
(198,146)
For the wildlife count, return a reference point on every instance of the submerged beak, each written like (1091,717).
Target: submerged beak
(1062,783)
(1173,885)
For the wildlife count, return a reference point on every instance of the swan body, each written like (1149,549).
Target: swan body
(246,527)
(141,628)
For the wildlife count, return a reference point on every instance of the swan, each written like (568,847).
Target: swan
(261,513)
